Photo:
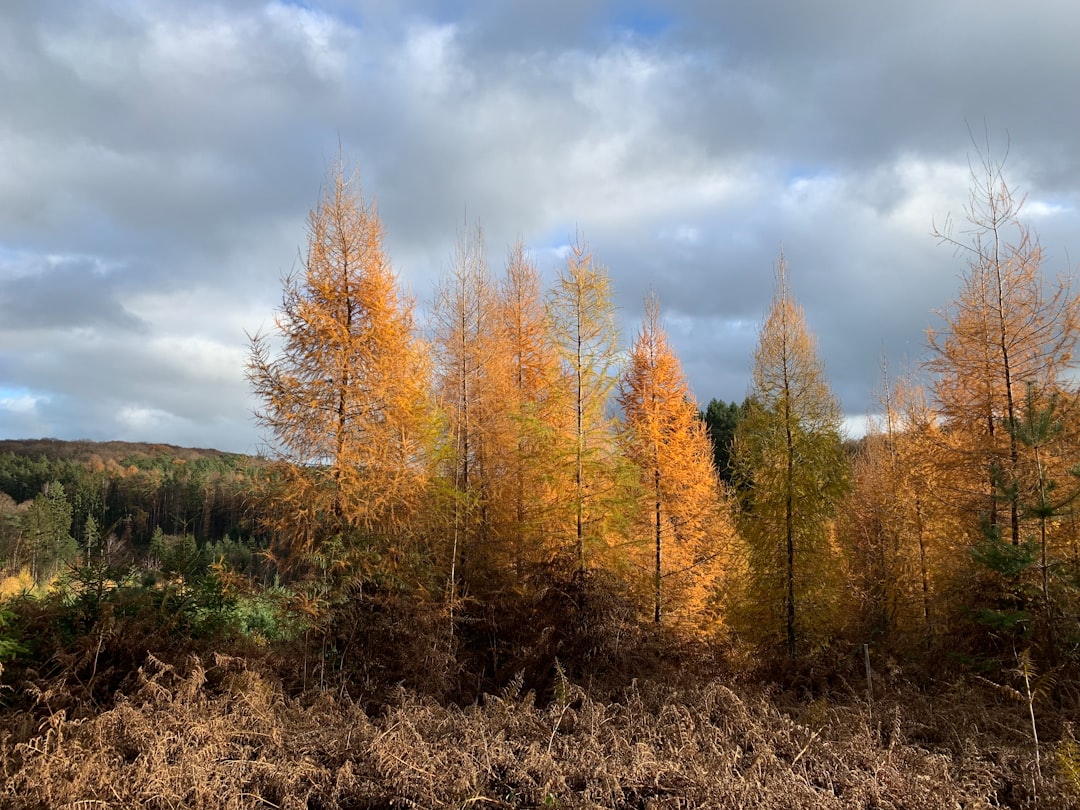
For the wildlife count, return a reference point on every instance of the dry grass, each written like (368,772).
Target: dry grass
(223,736)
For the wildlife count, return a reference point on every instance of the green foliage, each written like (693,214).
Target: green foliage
(1024,594)
(234,554)
(174,555)
(133,489)
(9,643)
(47,545)
(1000,602)
(267,616)
(722,420)
(791,471)
(1001,558)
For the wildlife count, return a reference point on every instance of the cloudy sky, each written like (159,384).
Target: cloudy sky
(157,162)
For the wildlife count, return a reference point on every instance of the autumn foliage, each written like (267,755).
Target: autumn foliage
(681,535)
(792,472)
(504,507)
(345,401)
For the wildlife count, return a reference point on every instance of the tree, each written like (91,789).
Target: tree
(583,323)
(535,404)
(680,501)
(792,471)
(345,401)
(721,420)
(473,382)
(46,527)
(892,524)
(1046,491)
(1008,327)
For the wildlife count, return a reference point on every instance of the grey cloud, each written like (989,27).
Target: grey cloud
(182,147)
(64,295)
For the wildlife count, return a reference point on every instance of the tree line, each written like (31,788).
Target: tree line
(518,437)
(506,485)
(57,498)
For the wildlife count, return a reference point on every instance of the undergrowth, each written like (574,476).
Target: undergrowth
(216,733)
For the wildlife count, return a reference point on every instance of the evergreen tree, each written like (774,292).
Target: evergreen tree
(46,530)
(721,419)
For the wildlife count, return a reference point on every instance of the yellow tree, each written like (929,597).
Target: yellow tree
(533,405)
(583,323)
(1008,328)
(894,526)
(474,384)
(791,472)
(680,502)
(343,381)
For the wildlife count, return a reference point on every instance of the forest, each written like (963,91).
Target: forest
(499,559)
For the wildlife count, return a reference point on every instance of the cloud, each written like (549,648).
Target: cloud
(160,162)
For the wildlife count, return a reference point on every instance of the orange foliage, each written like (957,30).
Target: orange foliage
(345,401)
(583,323)
(1008,327)
(684,528)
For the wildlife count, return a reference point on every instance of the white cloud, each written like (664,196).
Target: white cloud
(21,404)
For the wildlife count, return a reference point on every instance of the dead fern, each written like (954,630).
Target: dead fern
(219,734)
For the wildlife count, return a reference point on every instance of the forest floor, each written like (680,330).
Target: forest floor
(216,733)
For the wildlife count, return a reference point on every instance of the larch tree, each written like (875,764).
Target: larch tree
(534,405)
(791,471)
(1009,327)
(680,501)
(892,523)
(586,335)
(473,381)
(343,382)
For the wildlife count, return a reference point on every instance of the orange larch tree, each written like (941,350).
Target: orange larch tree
(680,503)
(343,382)
(1009,327)
(894,525)
(534,405)
(999,369)
(473,382)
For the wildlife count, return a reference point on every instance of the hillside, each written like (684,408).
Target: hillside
(85,450)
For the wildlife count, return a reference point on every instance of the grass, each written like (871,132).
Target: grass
(217,734)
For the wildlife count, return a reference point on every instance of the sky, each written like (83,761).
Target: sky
(158,162)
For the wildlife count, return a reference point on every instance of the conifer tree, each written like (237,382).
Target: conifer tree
(345,398)
(680,503)
(583,323)
(473,381)
(893,522)
(535,404)
(46,527)
(791,471)
(1011,327)
(721,419)
(1008,327)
